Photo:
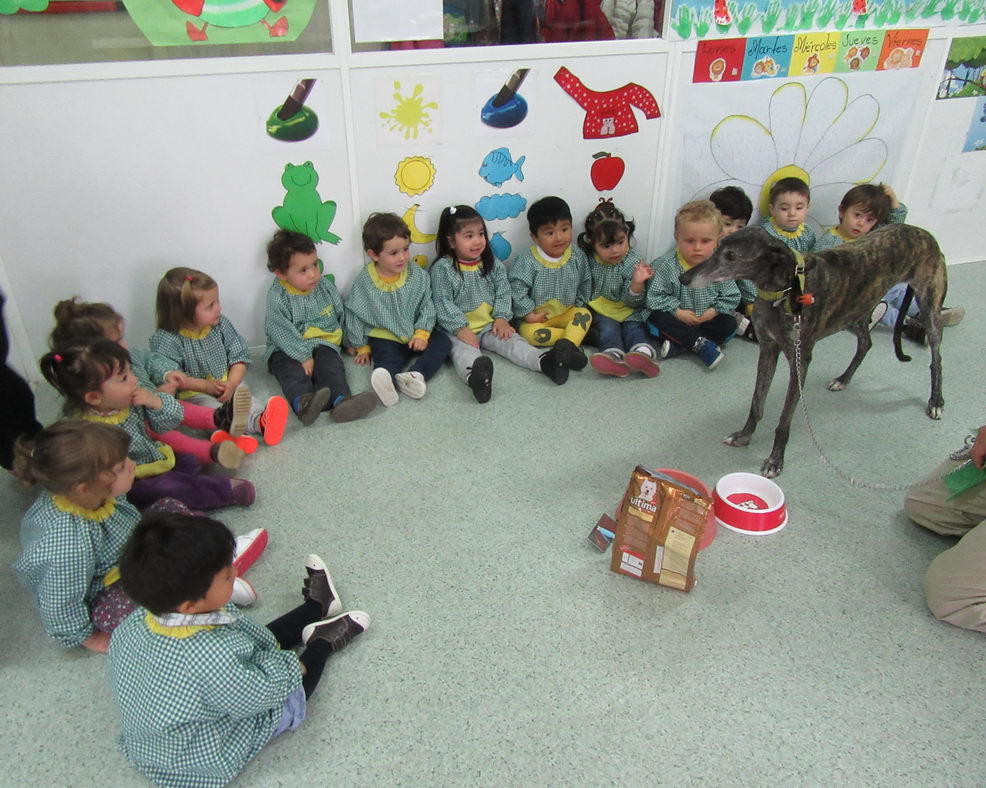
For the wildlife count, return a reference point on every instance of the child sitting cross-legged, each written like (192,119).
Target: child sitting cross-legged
(790,199)
(694,319)
(864,208)
(304,321)
(201,688)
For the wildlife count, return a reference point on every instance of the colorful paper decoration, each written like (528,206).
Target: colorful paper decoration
(501,206)
(415,175)
(965,69)
(500,246)
(409,115)
(13,6)
(180,22)
(303,210)
(292,121)
(606,171)
(410,219)
(608,113)
(733,59)
(975,138)
(499,167)
(507,108)
(421,260)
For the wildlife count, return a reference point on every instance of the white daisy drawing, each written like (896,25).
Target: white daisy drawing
(819,136)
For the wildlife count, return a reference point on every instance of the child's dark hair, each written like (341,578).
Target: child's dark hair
(82,321)
(380,228)
(452,220)
(75,370)
(732,203)
(69,453)
(870,198)
(604,225)
(283,245)
(177,297)
(785,185)
(547,210)
(173,558)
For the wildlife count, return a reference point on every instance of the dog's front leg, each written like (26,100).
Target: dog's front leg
(766,366)
(774,464)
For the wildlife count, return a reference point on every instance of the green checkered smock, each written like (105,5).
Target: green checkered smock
(457,292)
(143,449)
(801,240)
(196,709)
(291,314)
(666,294)
(64,560)
(535,281)
(830,239)
(150,368)
(209,357)
(400,308)
(612,282)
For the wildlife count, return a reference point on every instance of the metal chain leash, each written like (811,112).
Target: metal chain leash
(811,432)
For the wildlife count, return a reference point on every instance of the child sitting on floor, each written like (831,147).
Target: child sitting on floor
(696,319)
(202,688)
(790,199)
(80,322)
(390,316)
(619,293)
(551,284)
(304,334)
(736,210)
(74,532)
(472,301)
(213,358)
(864,208)
(98,385)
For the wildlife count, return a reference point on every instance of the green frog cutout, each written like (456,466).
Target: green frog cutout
(303,210)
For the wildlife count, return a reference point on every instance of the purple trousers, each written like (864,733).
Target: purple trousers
(187,483)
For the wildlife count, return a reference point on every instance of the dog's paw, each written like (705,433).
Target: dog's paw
(836,384)
(935,411)
(737,439)
(771,468)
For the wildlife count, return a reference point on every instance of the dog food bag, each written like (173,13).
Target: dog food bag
(658,529)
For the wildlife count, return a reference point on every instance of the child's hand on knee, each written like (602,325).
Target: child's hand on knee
(362,358)
(418,344)
(309,366)
(536,317)
(467,335)
(502,329)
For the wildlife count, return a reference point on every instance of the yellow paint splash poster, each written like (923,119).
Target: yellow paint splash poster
(409,109)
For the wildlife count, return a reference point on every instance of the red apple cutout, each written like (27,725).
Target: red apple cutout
(607,170)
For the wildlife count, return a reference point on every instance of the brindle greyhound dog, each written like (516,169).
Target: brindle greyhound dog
(833,290)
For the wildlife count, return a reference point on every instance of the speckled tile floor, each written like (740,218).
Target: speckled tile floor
(504,652)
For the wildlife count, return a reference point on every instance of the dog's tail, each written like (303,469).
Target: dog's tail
(899,325)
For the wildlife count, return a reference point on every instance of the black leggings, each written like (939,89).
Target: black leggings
(287,630)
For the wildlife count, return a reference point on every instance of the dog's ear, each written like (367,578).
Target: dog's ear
(778,261)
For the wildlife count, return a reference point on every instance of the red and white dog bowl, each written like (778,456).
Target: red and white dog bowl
(749,504)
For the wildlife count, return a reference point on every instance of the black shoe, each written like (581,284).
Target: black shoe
(222,416)
(572,356)
(915,332)
(311,405)
(319,588)
(481,379)
(353,407)
(554,367)
(338,631)
(233,414)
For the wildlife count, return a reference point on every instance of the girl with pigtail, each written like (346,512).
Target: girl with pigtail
(473,302)
(619,294)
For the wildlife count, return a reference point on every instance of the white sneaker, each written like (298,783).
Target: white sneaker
(248,548)
(383,385)
(877,314)
(411,383)
(244,594)
(952,315)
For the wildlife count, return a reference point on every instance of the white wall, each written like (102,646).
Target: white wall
(112,174)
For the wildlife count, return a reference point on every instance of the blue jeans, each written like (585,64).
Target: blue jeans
(606,333)
(895,300)
(718,329)
(392,356)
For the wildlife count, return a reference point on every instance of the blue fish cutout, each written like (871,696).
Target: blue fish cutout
(499,167)
(501,206)
(500,246)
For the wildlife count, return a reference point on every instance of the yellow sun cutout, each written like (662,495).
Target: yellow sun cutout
(415,175)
